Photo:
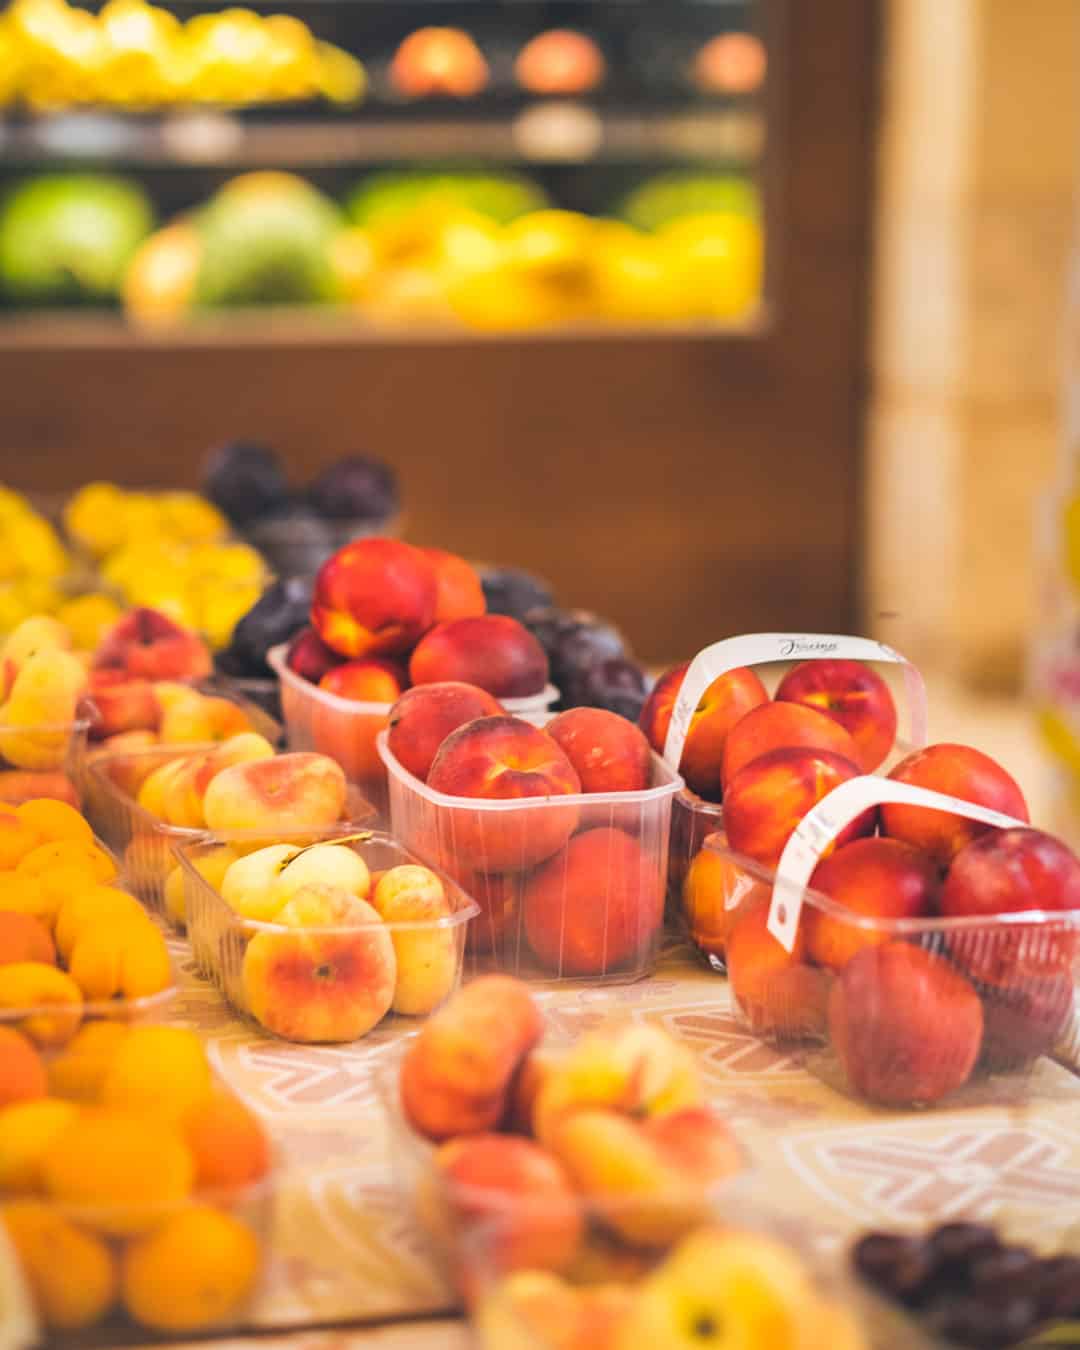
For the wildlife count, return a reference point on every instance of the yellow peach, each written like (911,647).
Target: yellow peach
(92,907)
(126,959)
(54,999)
(211,866)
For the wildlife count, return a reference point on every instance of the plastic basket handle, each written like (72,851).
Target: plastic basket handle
(758,649)
(823,822)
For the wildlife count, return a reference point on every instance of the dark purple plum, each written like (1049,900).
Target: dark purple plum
(575,641)
(355,488)
(619,686)
(280,612)
(509,590)
(244,480)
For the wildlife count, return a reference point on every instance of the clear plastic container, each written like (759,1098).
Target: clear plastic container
(44,760)
(693,818)
(152,1008)
(142,842)
(899,1012)
(260,967)
(570,887)
(346,729)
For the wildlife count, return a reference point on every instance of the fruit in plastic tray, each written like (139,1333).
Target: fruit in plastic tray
(595,906)
(300,790)
(851,693)
(457,1074)
(149,645)
(319,985)
(724,703)
(367,680)
(766,800)
(492,651)
(782,726)
(961,771)
(500,759)
(905,1024)
(37,715)
(426,956)
(779,992)
(357,487)
(423,717)
(609,753)
(374,597)
(310,657)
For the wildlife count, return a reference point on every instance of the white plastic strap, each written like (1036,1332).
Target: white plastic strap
(823,822)
(758,649)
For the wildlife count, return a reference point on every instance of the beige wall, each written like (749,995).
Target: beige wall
(980,148)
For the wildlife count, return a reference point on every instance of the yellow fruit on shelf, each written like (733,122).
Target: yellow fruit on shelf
(35,721)
(634,276)
(159,285)
(92,517)
(718,261)
(339,77)
(197,1270)
(353,262)
(88,618)
(71,1273)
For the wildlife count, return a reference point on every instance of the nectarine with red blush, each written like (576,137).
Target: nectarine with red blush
(504,759)
(609,752)
(120,703)
(906,1026)
(766,800)
(594,907)
(1024,1019)
(777,992)
(309,656)
(874,879)
(492,651)
(729,698)
(425,715)
(460,593)
(369,680)
(374,597)
(1009,872)
(960,771)
(782,726)
(851,693)
(150,646)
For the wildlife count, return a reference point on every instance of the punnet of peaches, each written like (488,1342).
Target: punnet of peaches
(133,1184)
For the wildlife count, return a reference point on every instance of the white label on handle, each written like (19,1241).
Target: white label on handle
(823,822)
(757,649)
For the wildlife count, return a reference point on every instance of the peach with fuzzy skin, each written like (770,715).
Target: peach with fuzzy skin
(457,1073)
(296,791)
(724,703)
(504,759)
(427,957)
(765,801)
(202,717)
(460,594)
(425,715)
(369,680)
(492,651)
(374,597)
(121,703)
(314,985)
(634,1068)
(156,784)
(596,906)
(310,658)
(906,1026)
(514,1182)
(609,752)
(776,991)
(873,878)
(186,790)
(852,694)
(714,889)
(649,1180)
(960,771)
(783,726)
(149,645)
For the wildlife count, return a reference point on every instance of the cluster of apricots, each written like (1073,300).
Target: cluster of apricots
(572,881)
(68,935)
(129,1181)
(558,1175)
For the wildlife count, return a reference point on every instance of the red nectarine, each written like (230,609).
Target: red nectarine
(492,651)
(779,726)
(851,693)
(425,715)
(775,990)
(460,594)
(374,597)
(609,752)
(369,680)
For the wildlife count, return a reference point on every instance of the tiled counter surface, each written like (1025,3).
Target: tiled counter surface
(348,1252)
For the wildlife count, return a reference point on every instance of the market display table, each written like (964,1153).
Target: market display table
(348,1251)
